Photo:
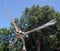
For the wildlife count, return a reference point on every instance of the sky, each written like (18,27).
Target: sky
(16,8)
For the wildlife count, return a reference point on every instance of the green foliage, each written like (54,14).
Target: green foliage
(4,31)
(1,48)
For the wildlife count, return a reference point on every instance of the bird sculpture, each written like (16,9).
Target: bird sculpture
(21,34)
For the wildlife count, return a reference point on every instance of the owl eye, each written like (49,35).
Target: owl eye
(17,32)
(20,33)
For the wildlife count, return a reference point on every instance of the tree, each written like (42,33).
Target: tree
(4,31)
(3,36)
(33,17)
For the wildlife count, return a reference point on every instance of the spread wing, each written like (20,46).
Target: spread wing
(11,45)
(9,16)
(17,29)
(24,48)
(51,22)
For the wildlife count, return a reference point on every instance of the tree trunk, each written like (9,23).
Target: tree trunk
(38,45)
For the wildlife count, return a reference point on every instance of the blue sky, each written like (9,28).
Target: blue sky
(16,7)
